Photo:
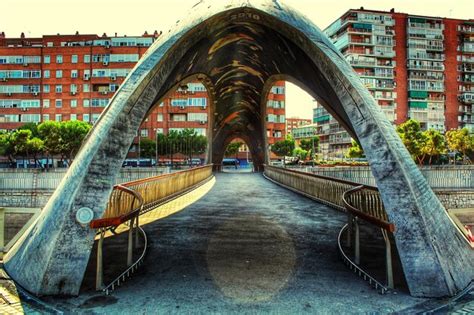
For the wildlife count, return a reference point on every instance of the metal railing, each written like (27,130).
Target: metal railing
(124,206)
(364,202)
(358,201)
(438,177)
(128,201)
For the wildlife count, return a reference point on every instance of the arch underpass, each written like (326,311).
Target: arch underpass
(239,49)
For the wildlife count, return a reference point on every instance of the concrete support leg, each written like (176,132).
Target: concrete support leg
(388,259)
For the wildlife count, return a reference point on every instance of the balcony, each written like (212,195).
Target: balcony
(467,98)
(466,29)
(412,66)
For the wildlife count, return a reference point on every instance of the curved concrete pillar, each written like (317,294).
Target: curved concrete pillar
(240,45)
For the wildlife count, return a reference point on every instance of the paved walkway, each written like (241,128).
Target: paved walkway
(242,244)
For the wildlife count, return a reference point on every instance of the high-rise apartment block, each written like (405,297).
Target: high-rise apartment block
(295,122)
(73,77)
(415,66)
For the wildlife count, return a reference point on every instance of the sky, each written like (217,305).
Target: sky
(133,17)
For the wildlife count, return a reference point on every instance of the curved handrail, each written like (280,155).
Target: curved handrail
(356,268)
(376,217)
(131,269)
(119,209)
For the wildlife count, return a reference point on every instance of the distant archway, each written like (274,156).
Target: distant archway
(241,48)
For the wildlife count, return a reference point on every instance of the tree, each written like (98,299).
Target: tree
(49,132)
(459,140)
(6,145)
(413,139)
(283,147)
(355,151)
(233,148)
(147,148)
(71,135)
(35,147)
(33,127)
(310,145)
(434,144)
(20,139)
(300,153)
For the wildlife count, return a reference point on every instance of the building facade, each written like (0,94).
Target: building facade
(334,140)
(73,77)
(415,66)
(294,122)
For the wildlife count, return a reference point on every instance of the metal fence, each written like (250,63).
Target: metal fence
(36,179)
(438,177)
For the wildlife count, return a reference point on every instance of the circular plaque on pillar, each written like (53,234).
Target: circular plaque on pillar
(84,216)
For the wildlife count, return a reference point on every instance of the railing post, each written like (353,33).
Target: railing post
(2,231)
(99,280)
(357,242)
(388,259)
(349,229)
(130,244)
(136,231)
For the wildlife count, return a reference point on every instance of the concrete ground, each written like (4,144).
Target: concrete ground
(242,244)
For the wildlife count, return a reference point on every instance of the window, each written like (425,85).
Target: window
(73,117)
(45,103)
(58,117)
(74,74)
(85,88)
(159,117)
(87,59)
(178,117)
(59,58)
(74,59)
(45,117)
(99,102)
(197,117)
(73,88)
(59,103)
(46,59)
(30,118)
(85,102)
(85,117)
(46,88)
(59,88)
(49,44)
(46,74)
(144,132)
(95,117)
(59,74)
(73,103)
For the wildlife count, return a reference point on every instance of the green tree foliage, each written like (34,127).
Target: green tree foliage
(309,144)
(283,147)
(233,148)
(49,132)
(413,139)
(460,140)
(186,142)
(300,153)
(355,151)
(33,127)
(433,144)
(71,135)
(147,148)
(7,147)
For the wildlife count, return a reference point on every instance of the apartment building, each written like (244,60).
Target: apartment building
(334,140)
(73,77)
(295,122)
(415,66)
